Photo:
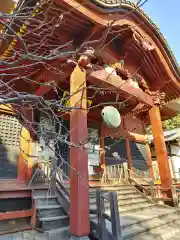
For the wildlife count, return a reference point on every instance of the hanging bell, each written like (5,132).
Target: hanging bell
(111,116)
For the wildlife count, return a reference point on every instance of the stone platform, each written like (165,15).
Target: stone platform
(26,235)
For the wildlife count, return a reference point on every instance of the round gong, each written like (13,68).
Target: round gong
(111,116)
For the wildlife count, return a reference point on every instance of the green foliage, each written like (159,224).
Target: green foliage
(172,123)
(167,124)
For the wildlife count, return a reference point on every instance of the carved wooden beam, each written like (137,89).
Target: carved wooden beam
(52,78)
(105,80)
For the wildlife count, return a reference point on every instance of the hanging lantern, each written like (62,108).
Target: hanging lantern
(111,116)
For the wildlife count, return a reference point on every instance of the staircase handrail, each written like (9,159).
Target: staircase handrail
(131,172)
(175,195)
(64,199)
(63,188)
(102,216)
(152,190)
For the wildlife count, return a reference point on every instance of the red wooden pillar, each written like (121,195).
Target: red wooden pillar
(79,189)
(149,159)
(129,158)
(33,217)
(160,147)
(102,152)
(22,168)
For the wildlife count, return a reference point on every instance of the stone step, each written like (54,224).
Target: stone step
(59,233)
(129,196)
(106,188)
(148,225)
(112,188)
(120,195)
(13,236)
(127,191)
(46,206)
(164,232)
(26,235)
(46,201)
(42,237)
(117,188)
(135,207)
(131,202)
(102,186)
(44,197)
(35,235)
(49,224)
(50,212)
(53,218)
(124,204)
(157,229)
(119,191)
(41,194)
(130,219)
(115,185)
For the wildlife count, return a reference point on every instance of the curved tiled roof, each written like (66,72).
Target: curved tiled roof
(169,135)
(174,105)
(117,5)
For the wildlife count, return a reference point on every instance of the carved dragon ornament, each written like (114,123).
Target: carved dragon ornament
(142,41)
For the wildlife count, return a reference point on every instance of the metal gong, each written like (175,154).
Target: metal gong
(111,116)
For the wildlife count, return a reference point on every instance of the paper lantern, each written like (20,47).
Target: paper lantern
(111,116)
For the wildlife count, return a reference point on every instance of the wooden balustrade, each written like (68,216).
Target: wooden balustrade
(104,230)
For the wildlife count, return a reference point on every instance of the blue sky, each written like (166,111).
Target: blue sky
(166,15)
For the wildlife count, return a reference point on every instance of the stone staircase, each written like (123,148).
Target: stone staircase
(52,220)
(140,218)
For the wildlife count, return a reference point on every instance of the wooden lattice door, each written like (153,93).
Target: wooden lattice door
(9,146)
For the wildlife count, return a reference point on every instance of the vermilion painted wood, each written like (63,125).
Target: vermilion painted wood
(15,194)
(8,185)
(17,214)
(13,230)
(104,21)
(102,152)
(128,150)
(120,132)
(115,83)
(149,159)
(79,189)
(33,216)
(160,147)
(22,170)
